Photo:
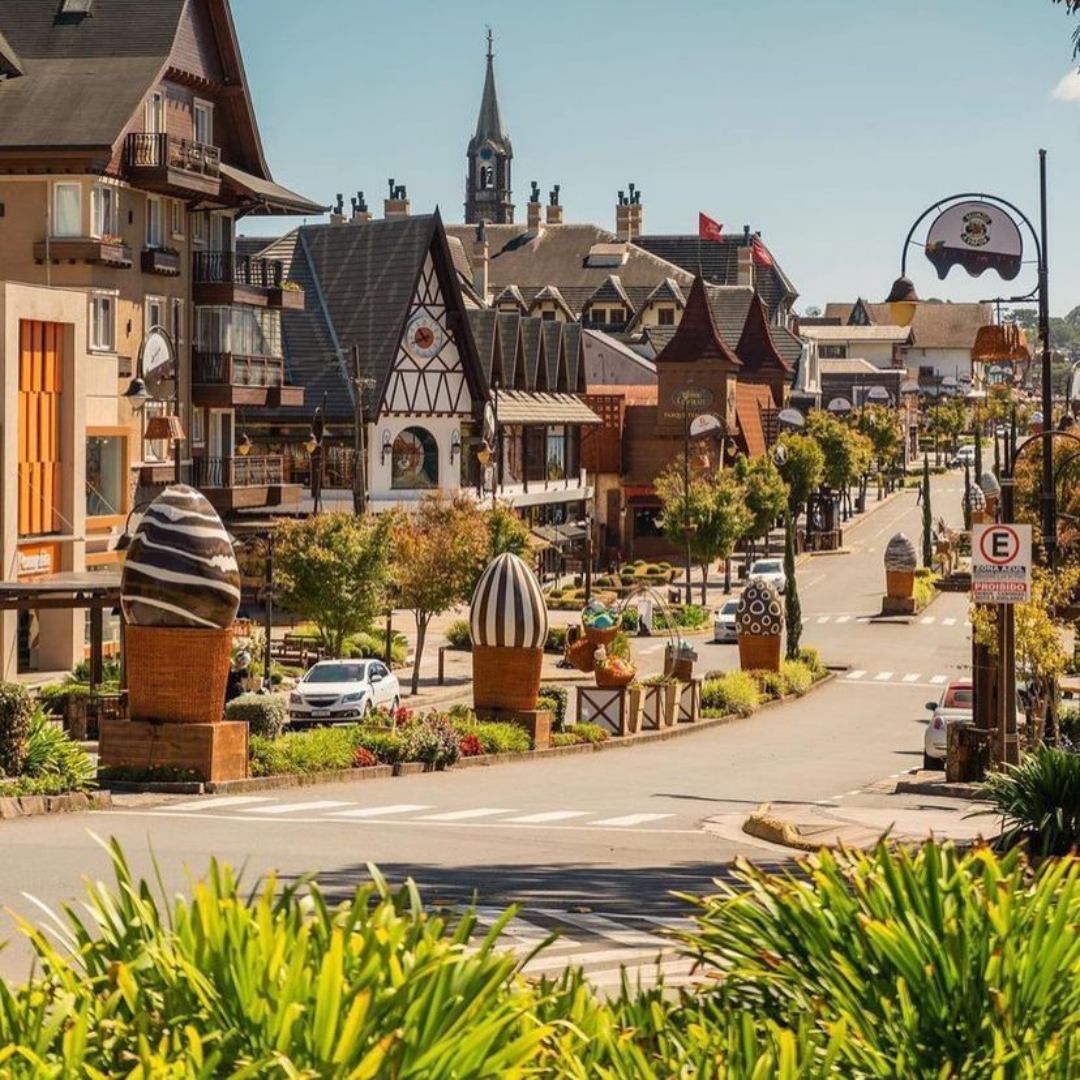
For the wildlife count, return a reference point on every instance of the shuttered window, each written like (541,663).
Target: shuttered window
(40,365)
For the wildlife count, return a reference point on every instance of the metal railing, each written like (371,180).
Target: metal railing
(227,369)
(149,151)
(227,267)
(237,472)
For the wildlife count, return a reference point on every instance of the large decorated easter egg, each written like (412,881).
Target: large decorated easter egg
(180,569)
(991,486)
(508,609)
(976,500)
(900,555)
(760,612)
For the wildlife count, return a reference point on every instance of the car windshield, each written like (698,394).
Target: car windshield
(766,567)
(335,673)
(730,607)
(959,697)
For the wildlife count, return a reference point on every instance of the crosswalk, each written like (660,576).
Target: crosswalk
(859,676)
(840,618)
(278,809)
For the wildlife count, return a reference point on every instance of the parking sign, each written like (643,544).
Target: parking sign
(1001,564)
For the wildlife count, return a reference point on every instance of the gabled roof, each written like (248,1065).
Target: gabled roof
(756,348)
(611,292)
(485,330)
(575,358)
(668,289)
(934,325)
(533,343)
(697,338)
(510,345)
(512,294)
(550,292)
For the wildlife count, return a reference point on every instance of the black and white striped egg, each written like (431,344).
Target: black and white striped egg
(760,612)
(900,555)
(508,609)
(180,569)
(990,485)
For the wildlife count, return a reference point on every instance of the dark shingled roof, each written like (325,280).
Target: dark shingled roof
(484,332)
(756,348)
(534,348)
(575,363)
(509,334)
(612,291)
(697,337)
(512,294)
(553,344)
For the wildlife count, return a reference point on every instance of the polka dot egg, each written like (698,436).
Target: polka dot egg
(760,612)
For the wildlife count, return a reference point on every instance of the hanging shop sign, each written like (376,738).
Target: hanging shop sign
(977,236)
(1001,564)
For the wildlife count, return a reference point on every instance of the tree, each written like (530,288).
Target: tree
(978,450)
(967,498)
(802,467)
(1073,8)
(507,532)
(927,517)
(716,510)
(766,495)
(846,452)
(948,419)
(332,570)
(792,606)
(438,551)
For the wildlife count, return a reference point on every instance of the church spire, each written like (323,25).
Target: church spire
(488,190)
(489,125)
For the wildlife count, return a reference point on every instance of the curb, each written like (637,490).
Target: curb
(74,802)
(764,826)
(942,788)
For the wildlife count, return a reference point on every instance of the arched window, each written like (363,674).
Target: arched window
(415,460)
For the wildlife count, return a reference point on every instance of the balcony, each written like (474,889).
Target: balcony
(172,166)
(160,260)
(108,251)
(226,380)
(243,483)
(224,277)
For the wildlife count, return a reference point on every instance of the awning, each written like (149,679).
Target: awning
(639,491)
(559,535)
(522,407)
(271,198)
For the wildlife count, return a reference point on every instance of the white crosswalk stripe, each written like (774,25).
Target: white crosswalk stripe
(948,622)
(823,620)
(297,807)
(928,620)
(843,618)
(939,679)
(911,677)
(892,678)
(381,811)
(464,815)
(856,674)
(883,676)
(548,815)
(630,819)
(224,802)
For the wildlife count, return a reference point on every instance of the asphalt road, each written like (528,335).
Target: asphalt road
(615,832)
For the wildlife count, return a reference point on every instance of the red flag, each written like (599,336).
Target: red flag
(707,229)
(761,254)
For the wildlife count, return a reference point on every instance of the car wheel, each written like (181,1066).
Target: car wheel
(396,705)
(367,710)
(931,764)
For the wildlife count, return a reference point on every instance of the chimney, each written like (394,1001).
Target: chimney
(533,208)
(398,203)
(337,215)
(360,211)
(480,261)
(628,214)
(745,267)
(554,210)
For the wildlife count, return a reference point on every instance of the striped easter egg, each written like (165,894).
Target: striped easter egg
(990,485)
(900,554)
(508,608)
(181,569)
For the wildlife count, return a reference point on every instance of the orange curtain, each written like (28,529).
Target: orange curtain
(40,360)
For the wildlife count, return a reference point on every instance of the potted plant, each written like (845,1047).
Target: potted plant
(658,698)
(679,657)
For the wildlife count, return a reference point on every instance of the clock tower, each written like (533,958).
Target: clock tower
(487,184)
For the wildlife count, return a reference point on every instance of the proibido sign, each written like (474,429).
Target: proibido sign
(1001,564)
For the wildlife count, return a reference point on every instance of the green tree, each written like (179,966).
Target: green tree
(507,532)
(881,425)
(927,516)
(332,570)
(967,499)
(437,552)
(792,606)
(948,420)
(766,495)
(802,467)
(715,509)
(839,449)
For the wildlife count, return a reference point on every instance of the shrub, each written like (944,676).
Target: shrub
(810,657)
(555,594)
(16,714)
(265,714)
(590,733)
(631,620)
(771,684)
(499,738)
(432,740)
(652,569)
(685,617)
(110,672)
(1069,723)
(458,635)
(565,738)
(556,640)
(363,758)
(387,746)
(51,755)
(319,750)
(735,692)
(469,745)
(604,581)
(797,677)
(372,646)
(54,698)
(555,698)
(1039,801)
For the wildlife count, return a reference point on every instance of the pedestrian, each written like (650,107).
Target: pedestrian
(239,680)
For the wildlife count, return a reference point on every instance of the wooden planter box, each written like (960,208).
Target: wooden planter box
(688,703)
(286,299)
(658,706)
(156,261)
(213,751)
(617,711)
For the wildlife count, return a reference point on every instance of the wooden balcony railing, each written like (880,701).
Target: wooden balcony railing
(228,369)
(229,268)
(158,151)
(237,472)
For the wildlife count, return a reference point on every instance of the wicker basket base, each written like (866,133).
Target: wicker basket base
(506,678)
(176,674)
(900,584)
(758,652)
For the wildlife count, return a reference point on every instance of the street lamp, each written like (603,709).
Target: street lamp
(156,351)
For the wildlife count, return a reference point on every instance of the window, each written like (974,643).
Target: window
(154,313)
(198,227)
(154,223)
(155,113)
(832,352)
(104,212)
(198,434)
(176,218)
(556,453)
(67,210)
(666,316)
(204,123)
(548,316)
(176,326)
(244,331)
(106,474)
(102,322)
(414,461)
(645,521)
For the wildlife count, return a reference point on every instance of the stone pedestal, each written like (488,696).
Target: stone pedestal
(213,751)
(898,605)
(537,722)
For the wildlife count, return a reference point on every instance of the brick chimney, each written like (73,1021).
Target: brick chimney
(480,259)
(554,208)
(398,203)
(337,215)
(745,267)
(534,209)
(360,211)
(628,214)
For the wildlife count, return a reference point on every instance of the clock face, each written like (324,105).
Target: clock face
(424,337)
(486,153)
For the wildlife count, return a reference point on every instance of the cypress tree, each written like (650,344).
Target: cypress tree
(967,499)
(978,451)
(792,607)
(927,517)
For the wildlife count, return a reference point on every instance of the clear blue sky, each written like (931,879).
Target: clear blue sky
(828,125)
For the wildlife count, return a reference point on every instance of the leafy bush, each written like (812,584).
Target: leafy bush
(557,699)
(363,758)
(387,746)
(1039,801)
(319,750)
(685,617)
(52,756)
(469,745)
(1069,723)
(555,594)
(432,740)
(265,714)
(556,640)
(54,697)
(925,587)
(631,620)
(810,657)
(797,677)
(588,732)
(564,738)
(16,713)
(458,635)
(494,737)
(372,646)
(110,672)
(771,684)
(735,692)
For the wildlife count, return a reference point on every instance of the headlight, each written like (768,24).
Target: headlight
(295,699)
(352,697)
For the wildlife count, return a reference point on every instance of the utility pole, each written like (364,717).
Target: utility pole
(686,496)
(1049,501)
(359,454)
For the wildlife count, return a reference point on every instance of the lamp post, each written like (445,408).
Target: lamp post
(314,447)
(157,351)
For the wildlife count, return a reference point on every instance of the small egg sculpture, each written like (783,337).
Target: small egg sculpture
(990,484)
(900,563)
(180,570)
(976,500)
(508,623)
(759,624)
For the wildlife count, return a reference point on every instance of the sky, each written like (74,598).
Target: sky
(828,126)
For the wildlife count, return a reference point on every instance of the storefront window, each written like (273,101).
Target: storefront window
(556,453)
(415,461)
(106,475)
(513,455)
(645,521)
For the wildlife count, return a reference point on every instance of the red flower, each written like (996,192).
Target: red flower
(363,758)
(403,716)
(469,745)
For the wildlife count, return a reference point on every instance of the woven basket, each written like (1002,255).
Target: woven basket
(505,677)
(600,637)
(759,652)
(580,653)
(607,679)
(900,584)
(177,674)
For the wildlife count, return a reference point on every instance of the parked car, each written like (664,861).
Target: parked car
(337,690)
(956,704)
(770,570)
(724,622)
(964,456)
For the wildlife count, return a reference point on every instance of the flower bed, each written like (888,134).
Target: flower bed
(742,693)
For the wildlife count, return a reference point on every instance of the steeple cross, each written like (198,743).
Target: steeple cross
(490,54)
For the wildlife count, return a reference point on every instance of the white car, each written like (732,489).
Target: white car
(770,570)
(956,705)
(337,690)
(724,622)
(964,456)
